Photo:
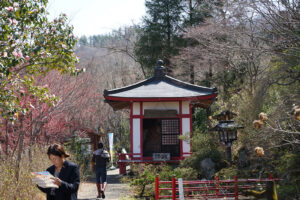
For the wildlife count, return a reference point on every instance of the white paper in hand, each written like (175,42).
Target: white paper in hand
(43,179)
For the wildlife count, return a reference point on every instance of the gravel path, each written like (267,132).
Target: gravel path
(115,189)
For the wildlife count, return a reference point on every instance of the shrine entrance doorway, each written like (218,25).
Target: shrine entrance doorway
(161,136)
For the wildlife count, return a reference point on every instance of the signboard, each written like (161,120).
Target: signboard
(161,156)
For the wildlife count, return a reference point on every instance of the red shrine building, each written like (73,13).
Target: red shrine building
(160,111)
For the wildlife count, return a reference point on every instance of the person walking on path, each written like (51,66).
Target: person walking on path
(66,175)
(99,162)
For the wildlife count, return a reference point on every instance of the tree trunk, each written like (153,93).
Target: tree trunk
(192,74)
(21,145)
(31,139)
(7,139)
(1,151)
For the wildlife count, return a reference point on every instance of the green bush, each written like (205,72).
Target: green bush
(227,173)
(81,155)
(143,179)
(288,168)
(204,145)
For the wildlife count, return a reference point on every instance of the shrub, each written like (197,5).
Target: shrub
(81,155)
(203,146)
(143,179)
(24,188)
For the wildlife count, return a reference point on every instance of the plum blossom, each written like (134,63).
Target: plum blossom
(4,54)
(15,22)
(27,58)
(64,46)
(14,53)
(10,8)
(19,55)
(43,53)
(16,4)
(9,21)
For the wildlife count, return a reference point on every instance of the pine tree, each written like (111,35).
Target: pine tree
(160,33)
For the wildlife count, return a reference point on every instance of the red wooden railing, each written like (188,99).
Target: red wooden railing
(207,189)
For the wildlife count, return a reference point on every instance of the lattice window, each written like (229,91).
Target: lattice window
(170,131)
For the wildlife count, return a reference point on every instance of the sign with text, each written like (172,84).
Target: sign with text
(161,156)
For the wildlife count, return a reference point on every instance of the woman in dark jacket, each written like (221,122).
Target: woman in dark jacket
(66,175)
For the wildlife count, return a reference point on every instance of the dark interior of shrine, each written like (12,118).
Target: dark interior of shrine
(161,136)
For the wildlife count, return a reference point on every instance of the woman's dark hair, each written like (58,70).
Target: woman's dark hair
(100,145)
(57,150)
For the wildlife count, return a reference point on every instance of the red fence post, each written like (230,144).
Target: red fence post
(217,185)
(236,192)
(157,187)
(173,188)
(122,165)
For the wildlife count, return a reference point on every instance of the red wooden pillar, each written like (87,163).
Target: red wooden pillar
(122,165)
(180,131)
(236,192)
(156,187)
(131,128)
(141,130)
(173,188)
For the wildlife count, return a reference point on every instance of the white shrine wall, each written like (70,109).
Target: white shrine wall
(186,147)
(161,106)
(136,108)
(136,139)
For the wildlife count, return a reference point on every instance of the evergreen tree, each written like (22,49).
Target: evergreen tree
(83,41)
(196,12)
(159,35)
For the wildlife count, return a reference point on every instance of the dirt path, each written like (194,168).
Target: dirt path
(115,189)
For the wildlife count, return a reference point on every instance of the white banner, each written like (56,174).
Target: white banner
(111,148)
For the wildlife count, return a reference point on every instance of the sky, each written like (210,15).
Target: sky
(94,17)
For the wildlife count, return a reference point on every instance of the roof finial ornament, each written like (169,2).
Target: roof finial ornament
(160,63)
(160,69)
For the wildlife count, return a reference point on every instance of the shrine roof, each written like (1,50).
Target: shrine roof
(160,87)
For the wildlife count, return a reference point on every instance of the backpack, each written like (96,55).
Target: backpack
(105,155)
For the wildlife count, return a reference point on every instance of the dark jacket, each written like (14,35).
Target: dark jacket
(69,174)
